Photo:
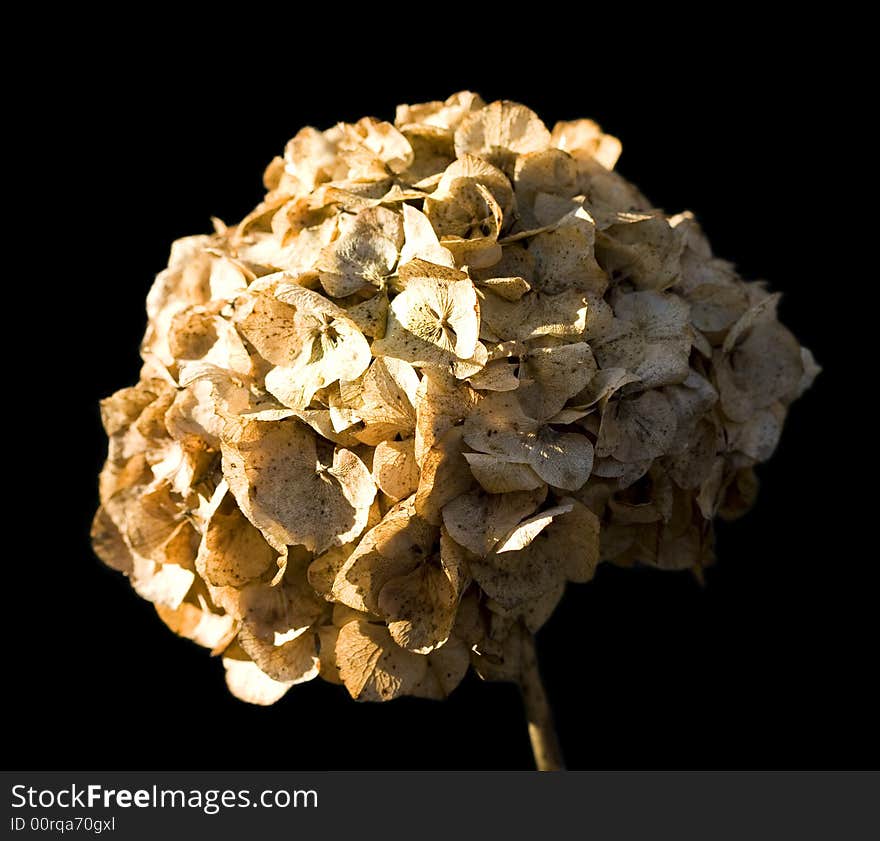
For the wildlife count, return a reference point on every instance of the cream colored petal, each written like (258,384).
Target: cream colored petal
(273,471)
(193,332)
(464,368)
(496,376)
(417,267)
(386,143)
(370,315)
(759,435)
(323,570)
(359,164)
(445,474)
(585,140)
(311,303)
(566,548)
(108,543)
(637,428)
(549,209)
(308,157)
(433,151)
(564,257)
(233,552)
(388,399)
(516,261)
(186,282)
(550,171)
(197,621)
(442,402)
(335,351)
(355,196)
(498,425)
(421,241)
(508,288)
(324,423)
(536,314)
(224,348)
(646,253)
(268,324)
(124,407)
(562,460)
(162,584)
(153,521)
(372,666)
(395,470)
(650,338)
(366,253)
(478,521)
(500,131)
(433,322)
(458,185)
(522,534)
(228,278)
(419,608)
(295,661)
(477,253)
(445,115)
(552,376)
(248,683)
(391,548)
(446,668)
(498,474)
(297,254)
(333,347)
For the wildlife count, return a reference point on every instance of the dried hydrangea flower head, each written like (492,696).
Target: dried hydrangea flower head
(448,365)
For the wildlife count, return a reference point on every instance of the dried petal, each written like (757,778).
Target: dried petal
(372,666)
(395,469)
(274,473)
(561,544)
(295,661)
(500,131)
(364,253)
(478,521)
(248,683)
(499,474)
(649,338)
(433,322)
(637,428)
(420,241)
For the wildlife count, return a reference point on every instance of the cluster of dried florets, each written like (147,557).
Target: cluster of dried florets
(384,419)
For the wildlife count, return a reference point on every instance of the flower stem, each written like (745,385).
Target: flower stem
(545,743)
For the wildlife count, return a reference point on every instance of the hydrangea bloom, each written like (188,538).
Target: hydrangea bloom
(448,365)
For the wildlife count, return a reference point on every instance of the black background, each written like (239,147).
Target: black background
(769,665)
